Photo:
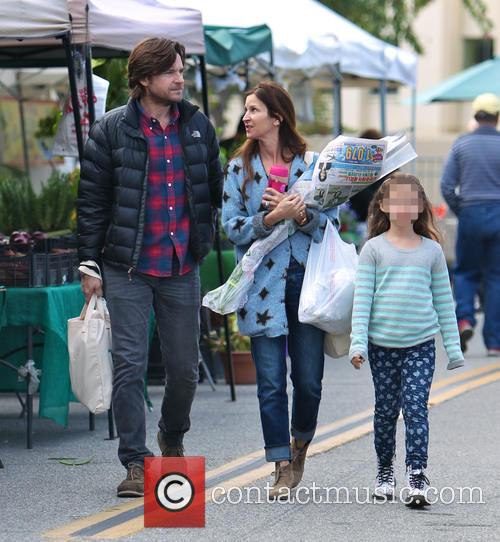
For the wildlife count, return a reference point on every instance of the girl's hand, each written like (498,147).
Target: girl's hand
(357,361)
(271,198)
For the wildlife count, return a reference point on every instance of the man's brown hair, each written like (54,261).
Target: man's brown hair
(149,57)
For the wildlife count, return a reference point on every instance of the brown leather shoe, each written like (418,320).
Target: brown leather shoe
(283,482)
(298,459)
(169,451)
(133,485)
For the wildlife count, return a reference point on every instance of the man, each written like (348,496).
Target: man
(471,188)
(150,182)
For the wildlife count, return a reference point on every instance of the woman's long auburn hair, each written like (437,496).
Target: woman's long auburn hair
(378,221)
(279,106)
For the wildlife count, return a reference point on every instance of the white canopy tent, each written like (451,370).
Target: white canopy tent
(312,39)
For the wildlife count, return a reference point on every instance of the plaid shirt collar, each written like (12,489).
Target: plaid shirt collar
(174,114)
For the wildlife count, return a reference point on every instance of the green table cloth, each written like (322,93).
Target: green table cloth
(49,309)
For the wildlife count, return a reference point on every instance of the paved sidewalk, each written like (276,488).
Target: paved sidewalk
(38,494)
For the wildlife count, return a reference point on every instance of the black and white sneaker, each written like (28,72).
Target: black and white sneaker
(385,483)
(418,485)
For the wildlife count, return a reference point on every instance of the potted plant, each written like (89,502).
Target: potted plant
(243,365)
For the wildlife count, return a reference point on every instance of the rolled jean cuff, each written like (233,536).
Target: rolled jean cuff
(279,453)
(303,435)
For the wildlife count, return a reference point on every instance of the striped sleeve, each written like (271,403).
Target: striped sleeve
(363,300)
(445,309)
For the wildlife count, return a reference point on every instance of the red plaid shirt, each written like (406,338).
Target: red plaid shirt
(165,245)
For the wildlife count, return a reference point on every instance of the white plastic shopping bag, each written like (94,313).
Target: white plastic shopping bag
(90,362)
(327,293)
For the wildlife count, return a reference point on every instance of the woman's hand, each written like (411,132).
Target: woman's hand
(290,206)
(357,361)
(271,198)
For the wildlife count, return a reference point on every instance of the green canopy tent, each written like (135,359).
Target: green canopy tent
(227,46)
(466,85)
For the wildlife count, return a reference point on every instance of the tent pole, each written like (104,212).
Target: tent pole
(20,101)
(337,101)
(204,86)
(90,85)
(227,334)
(413,124)
(74,96)
(383,109)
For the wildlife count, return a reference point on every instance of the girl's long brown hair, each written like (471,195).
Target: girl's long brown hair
(279,106)
(378,221)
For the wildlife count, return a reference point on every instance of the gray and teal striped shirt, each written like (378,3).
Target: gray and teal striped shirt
(403,298)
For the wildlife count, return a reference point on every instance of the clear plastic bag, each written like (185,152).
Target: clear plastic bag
(327,293)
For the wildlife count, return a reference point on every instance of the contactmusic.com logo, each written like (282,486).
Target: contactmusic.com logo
(174,492)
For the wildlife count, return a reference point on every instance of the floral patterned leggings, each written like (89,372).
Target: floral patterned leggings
(402,379)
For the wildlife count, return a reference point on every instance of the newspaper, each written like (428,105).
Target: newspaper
(344,167)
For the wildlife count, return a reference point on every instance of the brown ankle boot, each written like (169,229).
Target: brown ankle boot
(133,485)
(169,451)
(283,482)
(298,459)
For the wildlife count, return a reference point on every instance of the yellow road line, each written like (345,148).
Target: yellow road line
(137,524)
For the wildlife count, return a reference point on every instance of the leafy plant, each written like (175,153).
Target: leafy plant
(17,203)
(55,204)
(239,342)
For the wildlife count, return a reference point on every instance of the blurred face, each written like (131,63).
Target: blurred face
(258,123)
(166,87)
(402,203)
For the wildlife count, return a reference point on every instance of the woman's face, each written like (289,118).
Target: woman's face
(258,123)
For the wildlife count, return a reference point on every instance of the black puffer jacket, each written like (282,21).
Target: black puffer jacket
(113,185)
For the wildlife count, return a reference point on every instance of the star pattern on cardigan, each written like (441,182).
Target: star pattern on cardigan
(243,313)
(240,222)
(245,197)
(264,293)
(257,177)
(269,264)
(226,197)
(236,168)
(263,317)
(299,172)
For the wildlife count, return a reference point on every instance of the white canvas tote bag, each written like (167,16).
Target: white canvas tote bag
(90,362)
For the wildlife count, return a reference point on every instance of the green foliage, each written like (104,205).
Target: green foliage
(53,209)
(115,71)
(393,20)
(239,342)
(47,126)
(17,203)
(55,203)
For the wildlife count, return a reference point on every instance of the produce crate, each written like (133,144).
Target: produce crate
(23,271)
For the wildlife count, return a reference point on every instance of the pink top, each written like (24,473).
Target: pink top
(279,171)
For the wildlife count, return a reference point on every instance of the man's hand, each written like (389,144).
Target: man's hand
(90,285)
(357,361)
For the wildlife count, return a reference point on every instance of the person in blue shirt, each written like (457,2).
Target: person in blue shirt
(250,211)
(471,187)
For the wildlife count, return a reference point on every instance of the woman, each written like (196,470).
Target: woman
(270,317)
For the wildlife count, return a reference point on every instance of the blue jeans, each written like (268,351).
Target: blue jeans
(176,302)
(478,258)
(402,378)
(305,346)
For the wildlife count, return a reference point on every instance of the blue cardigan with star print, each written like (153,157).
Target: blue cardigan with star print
(242,219)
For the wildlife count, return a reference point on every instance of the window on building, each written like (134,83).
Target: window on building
(477,50)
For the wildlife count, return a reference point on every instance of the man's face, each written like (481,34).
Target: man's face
(166,87)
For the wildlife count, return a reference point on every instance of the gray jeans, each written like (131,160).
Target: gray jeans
(176,303)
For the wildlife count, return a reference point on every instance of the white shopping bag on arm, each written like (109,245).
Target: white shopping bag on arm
(90,362)
(327,293)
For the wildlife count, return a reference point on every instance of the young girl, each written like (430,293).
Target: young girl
(402,299)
